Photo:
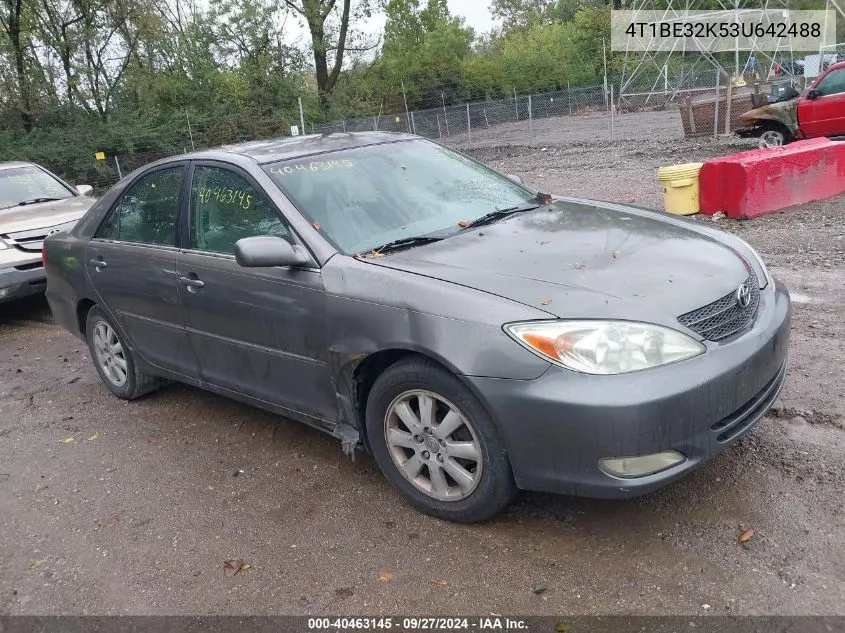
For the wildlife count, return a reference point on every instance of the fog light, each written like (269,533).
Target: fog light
(641,465)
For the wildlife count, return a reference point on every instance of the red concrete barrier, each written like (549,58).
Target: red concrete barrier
(760,181)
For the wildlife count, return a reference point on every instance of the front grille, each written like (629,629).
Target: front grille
(724,316)
(28,241)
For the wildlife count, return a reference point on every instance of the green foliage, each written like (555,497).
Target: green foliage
(140,80)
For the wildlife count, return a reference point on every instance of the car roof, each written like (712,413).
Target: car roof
(271,150)
(13,164)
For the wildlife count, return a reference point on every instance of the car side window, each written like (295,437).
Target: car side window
(225,208)
(148,211)
(833,83)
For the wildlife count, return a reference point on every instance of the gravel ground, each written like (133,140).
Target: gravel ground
(138,512)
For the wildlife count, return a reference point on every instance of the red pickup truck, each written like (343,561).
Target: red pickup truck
(820,111)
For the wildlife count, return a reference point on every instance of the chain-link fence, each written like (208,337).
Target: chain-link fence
(582,115)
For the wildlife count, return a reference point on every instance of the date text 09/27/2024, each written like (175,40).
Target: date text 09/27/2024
(417,624)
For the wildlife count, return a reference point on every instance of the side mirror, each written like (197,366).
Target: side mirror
(813,94)
(266,251)
(84,190)
(515,178)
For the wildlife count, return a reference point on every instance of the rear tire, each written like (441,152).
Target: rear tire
(114,359)
(436,444)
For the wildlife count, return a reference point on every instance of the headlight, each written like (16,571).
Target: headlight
(766,276)
(605,347)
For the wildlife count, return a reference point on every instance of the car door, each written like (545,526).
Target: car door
(825,114)
(131,264)
(255,331)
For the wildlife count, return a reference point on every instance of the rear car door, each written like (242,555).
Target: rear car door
(255,331)
(131,264)
(824,115)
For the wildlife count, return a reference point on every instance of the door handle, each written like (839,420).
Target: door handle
(99,264)
(190,282)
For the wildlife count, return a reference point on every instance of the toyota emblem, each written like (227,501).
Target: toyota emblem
(743,296)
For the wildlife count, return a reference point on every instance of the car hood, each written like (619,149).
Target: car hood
(785,112)
(584,259)
(43,215)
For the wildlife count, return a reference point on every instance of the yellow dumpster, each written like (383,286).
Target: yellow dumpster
(680,188)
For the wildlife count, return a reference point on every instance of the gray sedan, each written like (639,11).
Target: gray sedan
(476,336)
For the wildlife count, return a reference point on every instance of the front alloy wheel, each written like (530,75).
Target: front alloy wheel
(433,445)
(435,442)
(771,138)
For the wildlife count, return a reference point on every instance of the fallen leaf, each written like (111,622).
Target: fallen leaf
(316,225)
(93,437)
(232,567)
(68,440)
(540,588)
(245,567)
(463,224)
(108,521)
(37,563)
(746,535)
(545,302)
(562,627)
(440,582)
(385,575)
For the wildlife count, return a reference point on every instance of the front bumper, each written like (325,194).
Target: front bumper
(557,427)
(15,284)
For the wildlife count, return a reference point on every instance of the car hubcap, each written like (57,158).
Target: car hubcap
(771,139)
(433,445)
(109,353)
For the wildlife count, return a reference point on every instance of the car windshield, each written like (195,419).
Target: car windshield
(20,186)
(365,197)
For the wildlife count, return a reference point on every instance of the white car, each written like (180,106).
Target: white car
(34,203)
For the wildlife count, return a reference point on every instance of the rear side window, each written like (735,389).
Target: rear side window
(833,83)
(149,210)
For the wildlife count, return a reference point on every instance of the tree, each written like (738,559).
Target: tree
(423,47)
(16,20)
(329,31)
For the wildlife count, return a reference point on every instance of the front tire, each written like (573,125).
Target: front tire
(436,444)
(774,135)
(114,359)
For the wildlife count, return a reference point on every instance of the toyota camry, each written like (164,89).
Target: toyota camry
(474,335)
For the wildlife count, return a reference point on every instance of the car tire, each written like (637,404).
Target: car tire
(463,475)
(774,135)
(114,359)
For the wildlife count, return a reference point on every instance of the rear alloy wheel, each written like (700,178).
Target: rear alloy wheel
(114,359)
(436,444)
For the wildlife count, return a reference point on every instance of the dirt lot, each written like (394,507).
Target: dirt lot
(594,128)
(139,511)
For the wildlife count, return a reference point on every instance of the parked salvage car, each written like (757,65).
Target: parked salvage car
(820,111)
(34,203)
(474,335)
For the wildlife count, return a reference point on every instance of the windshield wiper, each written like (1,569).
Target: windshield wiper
(499,214)
(539,200)
(405,242)
(36,201)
